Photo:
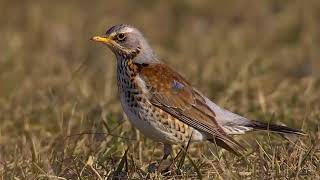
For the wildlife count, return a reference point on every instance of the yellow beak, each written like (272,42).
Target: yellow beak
(101,39)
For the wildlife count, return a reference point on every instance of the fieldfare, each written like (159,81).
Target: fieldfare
(163,105)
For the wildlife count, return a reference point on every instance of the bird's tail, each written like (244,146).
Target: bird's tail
(257,125)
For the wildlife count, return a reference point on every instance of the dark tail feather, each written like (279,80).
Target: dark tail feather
(275,128)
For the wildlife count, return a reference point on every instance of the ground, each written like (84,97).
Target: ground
(61,118)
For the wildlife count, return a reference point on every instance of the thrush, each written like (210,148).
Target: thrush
(163,105)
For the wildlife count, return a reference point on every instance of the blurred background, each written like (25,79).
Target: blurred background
(257,58)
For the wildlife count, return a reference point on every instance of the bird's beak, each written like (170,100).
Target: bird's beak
(101,39)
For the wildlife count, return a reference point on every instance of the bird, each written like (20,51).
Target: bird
(164,106)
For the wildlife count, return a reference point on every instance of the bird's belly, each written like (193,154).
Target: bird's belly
(152,126)
(146,124)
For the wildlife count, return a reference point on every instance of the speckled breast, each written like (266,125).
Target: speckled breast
(150,120)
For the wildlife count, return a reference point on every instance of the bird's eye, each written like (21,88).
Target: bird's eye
(121,37)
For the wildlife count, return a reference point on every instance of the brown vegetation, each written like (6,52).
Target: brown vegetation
(60,116)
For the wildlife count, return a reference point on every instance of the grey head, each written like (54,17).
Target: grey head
(128,43)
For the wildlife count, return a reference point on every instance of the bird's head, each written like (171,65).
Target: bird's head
(126,42)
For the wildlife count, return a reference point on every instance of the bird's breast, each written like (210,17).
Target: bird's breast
(149,119)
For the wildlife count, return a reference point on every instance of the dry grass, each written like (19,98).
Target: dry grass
(60,117)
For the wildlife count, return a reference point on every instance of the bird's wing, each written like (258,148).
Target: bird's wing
(169,91)
(230,122)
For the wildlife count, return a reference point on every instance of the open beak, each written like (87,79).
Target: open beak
(102,39)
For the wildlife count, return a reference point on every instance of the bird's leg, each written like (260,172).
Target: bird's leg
(184,148)
(167,149)
(175,159)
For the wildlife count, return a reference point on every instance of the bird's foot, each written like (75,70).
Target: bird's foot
(161,166)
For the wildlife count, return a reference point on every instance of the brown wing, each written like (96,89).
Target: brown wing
(172,93)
